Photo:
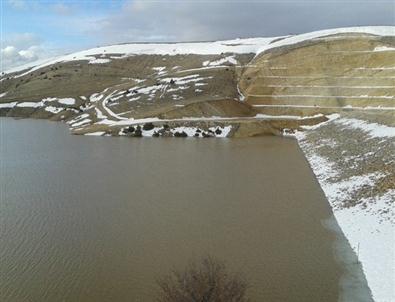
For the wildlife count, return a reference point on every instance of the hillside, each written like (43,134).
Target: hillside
(104,89)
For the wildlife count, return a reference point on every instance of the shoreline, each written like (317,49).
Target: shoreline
(367,223)
(353,284)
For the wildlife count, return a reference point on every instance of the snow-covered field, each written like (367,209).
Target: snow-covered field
(47,104)
(105,54)
(369,222)
(373,30)
(239,46)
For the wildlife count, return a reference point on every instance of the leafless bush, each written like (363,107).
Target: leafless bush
(207,281)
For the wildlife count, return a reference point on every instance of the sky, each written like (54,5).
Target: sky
(37,29)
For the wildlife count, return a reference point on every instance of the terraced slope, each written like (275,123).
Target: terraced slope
(324,74)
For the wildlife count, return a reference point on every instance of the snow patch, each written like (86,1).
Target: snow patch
(67,101)
(100,114)
(288,117)
(95,97)
(83,122)
(372,30)
(29,104)
(78,118)
(53,109)
(98,133)
(384,48)
(8,105)
(134,99)
(372,129)
(229,59)
(159,68)
(98,61)
(241,95)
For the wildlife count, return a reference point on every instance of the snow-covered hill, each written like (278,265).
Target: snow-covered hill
(105,54)
(247,45)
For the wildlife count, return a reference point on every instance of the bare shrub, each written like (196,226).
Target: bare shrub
(207,281)
(148,126)
(138,132)
(180,134)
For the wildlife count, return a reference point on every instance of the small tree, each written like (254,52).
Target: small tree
(148,126)
(208,281)
(180,134)
(138,132)
(129,129)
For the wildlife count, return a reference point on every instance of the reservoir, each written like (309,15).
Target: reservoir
(96,219)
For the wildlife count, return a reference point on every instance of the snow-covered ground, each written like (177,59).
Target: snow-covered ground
(229,59)
(50,104)
(105,54)
(239,46)
(372,30)
(369,221)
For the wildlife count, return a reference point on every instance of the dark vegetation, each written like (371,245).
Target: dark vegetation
(129,129)
(166,131)
(148,126)
(207,281)
(180,134)
(138,132)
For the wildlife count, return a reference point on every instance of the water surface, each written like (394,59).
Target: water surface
(99,219)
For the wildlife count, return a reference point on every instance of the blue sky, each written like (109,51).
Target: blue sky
(34,29)
(61,23)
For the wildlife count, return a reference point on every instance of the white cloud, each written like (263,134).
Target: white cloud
(11,56)
(30,54)
(8,52)
(18,4)
(22,48)
(174,20)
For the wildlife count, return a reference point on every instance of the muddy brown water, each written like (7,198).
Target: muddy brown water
(100,218)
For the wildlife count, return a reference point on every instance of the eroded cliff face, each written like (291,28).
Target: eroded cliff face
(322,75)
(272,81)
